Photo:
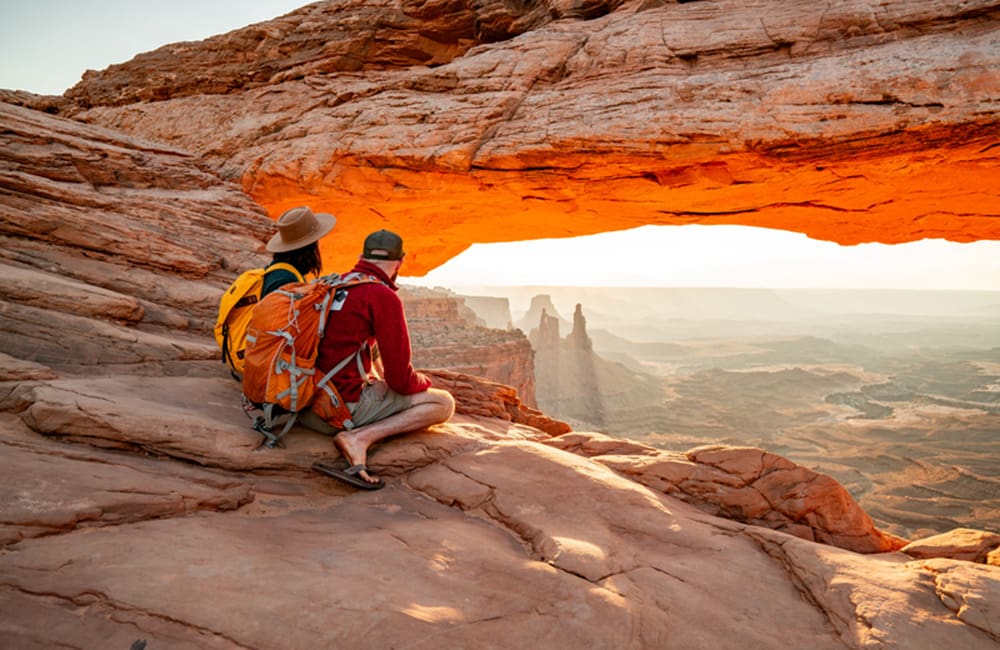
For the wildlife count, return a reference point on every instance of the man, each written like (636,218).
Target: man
(401,400)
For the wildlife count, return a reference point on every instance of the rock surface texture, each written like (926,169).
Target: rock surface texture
(138,506)
(462,122)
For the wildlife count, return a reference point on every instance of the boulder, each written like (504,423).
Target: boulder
(958,544)
(745,484)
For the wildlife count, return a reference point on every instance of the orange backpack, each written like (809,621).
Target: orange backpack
(279,373)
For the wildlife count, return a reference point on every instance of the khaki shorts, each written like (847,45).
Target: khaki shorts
(377,402)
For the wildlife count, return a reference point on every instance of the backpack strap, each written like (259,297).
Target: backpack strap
(227,353)
(325,383)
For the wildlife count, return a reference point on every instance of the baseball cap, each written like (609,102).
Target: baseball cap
(384,245)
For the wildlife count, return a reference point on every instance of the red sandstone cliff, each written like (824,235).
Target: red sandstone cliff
(444,338)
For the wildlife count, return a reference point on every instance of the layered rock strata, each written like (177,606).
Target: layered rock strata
(115,249)
(462,122)
(443,337)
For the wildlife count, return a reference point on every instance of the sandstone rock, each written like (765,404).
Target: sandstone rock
(475,396)
(154,414)
(577,384)
(53,488)
(532,319)
(112,244)
(971,591)
(142,507)
(516,542)
(483,533)
(591,445)
(54,292)
(494,311)
(748,485)
(959,544)
(507,362)
(834,578)
(12,369)
(865,122)
(73,342)
(120,198)
(443,338)
(45,103)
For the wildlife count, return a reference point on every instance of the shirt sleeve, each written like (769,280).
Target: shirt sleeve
(393,338)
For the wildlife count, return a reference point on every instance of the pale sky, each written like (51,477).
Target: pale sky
(722,256)
(46,45)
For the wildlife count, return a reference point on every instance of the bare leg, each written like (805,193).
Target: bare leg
(433,406)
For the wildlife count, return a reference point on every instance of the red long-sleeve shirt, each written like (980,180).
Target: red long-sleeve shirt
(372,312)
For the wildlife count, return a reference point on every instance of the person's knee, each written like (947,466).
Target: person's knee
(441,400)
(447,403)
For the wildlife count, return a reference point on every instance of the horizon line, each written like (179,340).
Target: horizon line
(403,280)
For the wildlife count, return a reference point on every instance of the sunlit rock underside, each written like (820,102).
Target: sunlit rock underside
(461,122)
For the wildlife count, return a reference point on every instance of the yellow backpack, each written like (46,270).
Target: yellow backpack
(235,309)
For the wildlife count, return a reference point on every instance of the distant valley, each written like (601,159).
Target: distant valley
(896,394)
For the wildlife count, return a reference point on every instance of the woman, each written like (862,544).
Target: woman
(296,245)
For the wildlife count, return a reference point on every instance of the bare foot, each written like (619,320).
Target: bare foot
(354,452)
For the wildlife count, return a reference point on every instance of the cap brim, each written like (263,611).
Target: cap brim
(326,223)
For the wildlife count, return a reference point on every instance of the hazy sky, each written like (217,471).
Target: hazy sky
(722,256)
(46,45)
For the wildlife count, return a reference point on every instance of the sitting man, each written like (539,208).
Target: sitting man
(401,400)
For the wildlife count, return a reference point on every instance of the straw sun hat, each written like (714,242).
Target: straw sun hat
(300,227)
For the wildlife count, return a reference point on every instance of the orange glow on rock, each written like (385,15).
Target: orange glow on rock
(888,192)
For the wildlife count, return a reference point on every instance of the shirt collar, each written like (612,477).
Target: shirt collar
(370,269)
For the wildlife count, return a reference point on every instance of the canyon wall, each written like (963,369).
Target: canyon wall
(492,311)
(576,384)
(444,336)
(115,249)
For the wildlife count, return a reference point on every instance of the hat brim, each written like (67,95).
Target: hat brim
(326,223)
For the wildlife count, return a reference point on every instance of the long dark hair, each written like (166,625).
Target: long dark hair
(306,259)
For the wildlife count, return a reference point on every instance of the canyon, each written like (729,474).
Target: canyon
(139,505)
(896,394)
